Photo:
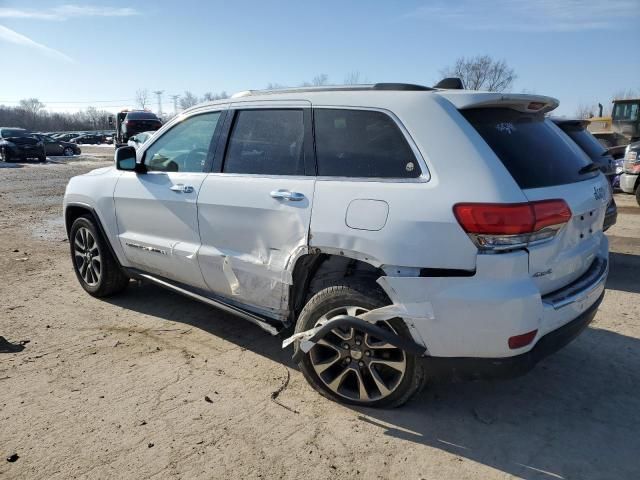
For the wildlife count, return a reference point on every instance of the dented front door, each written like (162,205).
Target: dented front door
(254,214)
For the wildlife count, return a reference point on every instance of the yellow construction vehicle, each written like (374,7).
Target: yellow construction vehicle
(622,127)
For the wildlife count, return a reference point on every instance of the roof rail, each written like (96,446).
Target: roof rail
(335,88)
(322,88)
(401,86)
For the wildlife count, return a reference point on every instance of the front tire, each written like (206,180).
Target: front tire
(68,152)
(96,269)
(350,366)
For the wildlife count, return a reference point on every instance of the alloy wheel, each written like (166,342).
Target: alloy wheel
(87,256)
(355,365)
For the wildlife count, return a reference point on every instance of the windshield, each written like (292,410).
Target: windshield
(534,150)
(626,111)
(13,132)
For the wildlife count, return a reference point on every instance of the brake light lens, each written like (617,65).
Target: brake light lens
(500,226)
(535,105)
(523,340)
(549,213)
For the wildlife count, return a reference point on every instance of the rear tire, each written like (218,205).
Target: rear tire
(68,152)
(96,269)
(365,379)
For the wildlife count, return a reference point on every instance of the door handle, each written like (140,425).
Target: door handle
(181,188)
(287,195)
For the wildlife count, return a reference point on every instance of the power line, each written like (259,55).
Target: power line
(159,94)
(175,103)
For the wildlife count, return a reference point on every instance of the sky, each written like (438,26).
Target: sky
(75,55)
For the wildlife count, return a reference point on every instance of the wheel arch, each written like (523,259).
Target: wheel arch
(318,269)
(73,211)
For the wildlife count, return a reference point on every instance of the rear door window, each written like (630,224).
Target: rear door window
(534,150)
(266,142)
(361,143)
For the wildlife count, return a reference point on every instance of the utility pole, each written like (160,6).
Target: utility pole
(159,94)
(175,103)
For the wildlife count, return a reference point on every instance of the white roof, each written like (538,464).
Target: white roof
(367,95)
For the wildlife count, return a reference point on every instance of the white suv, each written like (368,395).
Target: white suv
(400,229)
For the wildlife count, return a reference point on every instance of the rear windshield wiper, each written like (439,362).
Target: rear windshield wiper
(592,167)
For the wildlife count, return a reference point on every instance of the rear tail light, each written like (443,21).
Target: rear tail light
(505,226)
(523,340)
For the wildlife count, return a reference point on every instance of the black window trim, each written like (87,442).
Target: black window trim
(212,145)
(425,174)
(225,137)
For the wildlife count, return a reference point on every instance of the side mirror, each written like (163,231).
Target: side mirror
(126,160)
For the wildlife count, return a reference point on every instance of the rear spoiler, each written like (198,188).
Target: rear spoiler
(521,102)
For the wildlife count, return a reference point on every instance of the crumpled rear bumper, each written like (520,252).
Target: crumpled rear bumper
(508,367)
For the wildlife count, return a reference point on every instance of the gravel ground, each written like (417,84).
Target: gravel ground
(152,385)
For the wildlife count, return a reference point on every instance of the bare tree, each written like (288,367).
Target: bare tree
(354,78)
(626,94)
(321,79)
(33,106)
(188,100)
(585,111)
(30,114)
(209,97)
(142,98)
(482,73)
(275,86)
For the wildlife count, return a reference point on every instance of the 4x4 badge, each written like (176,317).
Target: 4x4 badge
(542,274)
(598,193)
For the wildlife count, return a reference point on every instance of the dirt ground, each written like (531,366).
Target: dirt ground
(149,384)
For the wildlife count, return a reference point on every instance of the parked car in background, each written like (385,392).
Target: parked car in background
(599,155)
(131,122)
(54,147)
(89,138)
(20,144)
(577,130)
(506,265)
(139,139)
(630,178)
(66,137)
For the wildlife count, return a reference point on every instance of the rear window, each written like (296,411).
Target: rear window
(141,116)
(534,150)
(13,132)
(361,143)
(587,142)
